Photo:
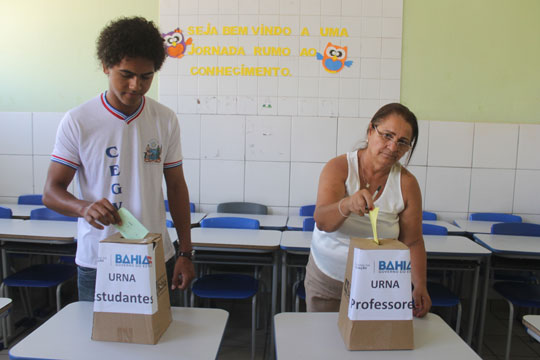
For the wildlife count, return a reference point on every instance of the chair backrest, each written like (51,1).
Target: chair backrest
(307,210)
(427,215)
(507,218)
(31,199)
(5,213)
(242,208)
(191,206)
(230,223)
(308,224)
(523,229)
(430,229)
(48,214)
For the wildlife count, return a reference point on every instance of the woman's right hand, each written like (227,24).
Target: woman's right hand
(361,202)
(101,212)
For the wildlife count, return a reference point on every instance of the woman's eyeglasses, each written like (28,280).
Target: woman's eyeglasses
(402,144)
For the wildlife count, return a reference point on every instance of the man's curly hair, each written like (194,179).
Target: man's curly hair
(130,37)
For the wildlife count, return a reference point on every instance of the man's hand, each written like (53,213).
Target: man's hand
(184,273)
(101,212)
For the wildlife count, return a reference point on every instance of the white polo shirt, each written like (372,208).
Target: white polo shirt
(120,158)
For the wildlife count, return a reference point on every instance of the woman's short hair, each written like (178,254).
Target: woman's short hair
(405,113)
(130,37)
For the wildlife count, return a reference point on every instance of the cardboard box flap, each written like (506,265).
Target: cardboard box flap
(118,238)
(385,244)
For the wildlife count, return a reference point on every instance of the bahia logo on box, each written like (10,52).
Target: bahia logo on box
(394,266)
(133,260)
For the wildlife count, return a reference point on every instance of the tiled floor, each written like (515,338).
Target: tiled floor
(236,340)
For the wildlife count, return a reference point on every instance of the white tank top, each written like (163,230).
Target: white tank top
(330,249)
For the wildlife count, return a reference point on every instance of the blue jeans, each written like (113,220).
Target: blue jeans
(86,282)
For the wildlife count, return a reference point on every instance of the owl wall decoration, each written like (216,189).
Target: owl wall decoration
(175,43)
(334,58)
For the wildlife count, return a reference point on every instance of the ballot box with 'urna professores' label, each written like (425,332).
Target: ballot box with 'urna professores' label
(131,302)
(376,303)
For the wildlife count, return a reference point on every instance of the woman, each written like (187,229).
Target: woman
(349,186)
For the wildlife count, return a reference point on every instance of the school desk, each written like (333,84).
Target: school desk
(519,252)
(21,211)
(316,336)
(532,323)
(438,248)
(195,217)
(475,226)
(194,333)
(269,222)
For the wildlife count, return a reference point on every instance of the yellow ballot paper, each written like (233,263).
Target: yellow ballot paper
(373,219)
(131,228)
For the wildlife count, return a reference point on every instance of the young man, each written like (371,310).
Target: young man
(121,144)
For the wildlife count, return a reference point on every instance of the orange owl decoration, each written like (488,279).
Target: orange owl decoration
(335,58)
(174,41)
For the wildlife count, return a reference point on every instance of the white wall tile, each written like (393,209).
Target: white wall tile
(222,137)
(420,154)
(287,106)
(372,7)
(390,89)
(306,139)
(370,68)
(351,8)
(391,48)
(348,108)
(44,126)
(228,6)
(351,134)
(349,88)
(168,7)
(390,69)
(267,183)
(371,27)
(527,192)
(207,104)
(248,7)
(420,173)
(368,107)
(310,7)
(221,181)
(308,87)
(492,190)
(529,147)
(328,107)
(495,145)
(392,27)
(168,85)
(187,104)
(208,7)
(392,8)
(268,7)
(190,134)
(268,138)
(188,7)
(187,85)
(370,88)
(170,101)
(450,143)
(304,182)
(308,106)
(15,137)
(226,105)
(289,7)
(370,47)
(41,167)
(246,105)
(447,189)
(247,86)
(330,8)
(267,105)
(288,86)
(17,175)
(191,174)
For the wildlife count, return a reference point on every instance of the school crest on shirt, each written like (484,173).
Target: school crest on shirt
(152,152)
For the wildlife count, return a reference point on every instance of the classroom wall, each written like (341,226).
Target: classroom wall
(479,155)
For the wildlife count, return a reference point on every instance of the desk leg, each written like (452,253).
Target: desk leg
(275,282)
(474,297)
(483,306)
(283,281)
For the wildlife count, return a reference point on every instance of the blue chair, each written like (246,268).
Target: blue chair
(427,215)
(440,295)
(517,293)
(48,214)
(230,286)
(42,275)
(307,210)
(242,208)
(508,218)
(308,224)
(191,206)
(31,199)
(5,213)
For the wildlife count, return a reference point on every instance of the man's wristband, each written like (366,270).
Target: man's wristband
(188,254)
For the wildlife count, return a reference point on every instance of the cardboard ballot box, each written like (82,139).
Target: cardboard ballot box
(131,302)
(376,304)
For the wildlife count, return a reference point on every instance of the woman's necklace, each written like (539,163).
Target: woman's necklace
(362,172)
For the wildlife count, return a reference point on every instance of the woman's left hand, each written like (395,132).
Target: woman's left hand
(422,301)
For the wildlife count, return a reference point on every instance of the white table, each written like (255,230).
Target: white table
(248,242)
(437,248)
(532,323)
(194,333)
(195,217)
(21,211)
(506,246)
(296,222)
(275,222)
(452,229)
(475,226)
(316,336)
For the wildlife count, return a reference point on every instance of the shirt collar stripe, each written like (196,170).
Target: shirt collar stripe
(117,113)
